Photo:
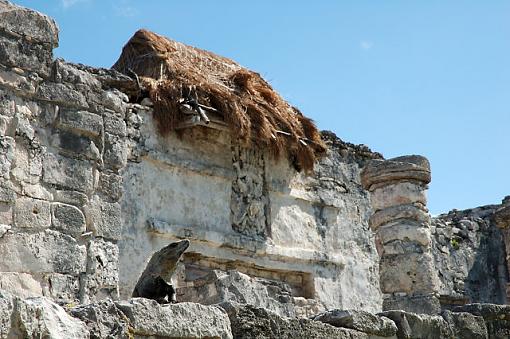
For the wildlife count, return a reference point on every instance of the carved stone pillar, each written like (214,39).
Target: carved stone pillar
(402,226)
(502,220)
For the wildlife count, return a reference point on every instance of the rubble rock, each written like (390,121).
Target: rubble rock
(359,320)
(496,317)
(419,326)
(183,320)
(103,319)
(42,318)
(253,322)
(466,325)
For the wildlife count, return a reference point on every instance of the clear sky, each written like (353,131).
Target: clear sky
(403,77)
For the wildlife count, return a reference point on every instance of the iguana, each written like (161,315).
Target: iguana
(155,281)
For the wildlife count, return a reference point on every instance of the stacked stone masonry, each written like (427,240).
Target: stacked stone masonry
(60,163)
(89,190)
(402,224)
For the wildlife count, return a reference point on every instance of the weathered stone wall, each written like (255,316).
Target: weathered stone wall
(470,257)
(245,210)
(60,157)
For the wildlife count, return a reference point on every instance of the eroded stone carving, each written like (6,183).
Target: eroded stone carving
(249,195)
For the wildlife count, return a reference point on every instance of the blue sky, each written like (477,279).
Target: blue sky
(403,77)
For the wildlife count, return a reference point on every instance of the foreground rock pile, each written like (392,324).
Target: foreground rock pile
(142,318)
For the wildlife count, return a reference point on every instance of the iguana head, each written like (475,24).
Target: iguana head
(175,249)
(164,262)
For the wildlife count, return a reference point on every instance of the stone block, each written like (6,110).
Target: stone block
(496,317)
(359,320)
(68,173)
(84,122)
(409,273)
(426,304)
(466,325)
(31,25)
(77,146)
(104,218)
(102,277)
(103,319)
(67,72)
(62,288)
(115,125)
(5,214)
(68,219)
(71,197)
(20,54)
(7,193)
(16,81)
(42,318)
(404,231)
(44,252)
(7,147)
(35,191)
(32,213)
(409,212)
(251,322)
(411,325)
(27,165)
(110,186)
(22,285)
(406,168)
(115,151)
(61,94)
(399,193)
(113,99)
(183,320)
(6,310)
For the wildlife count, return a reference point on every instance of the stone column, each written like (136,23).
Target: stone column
(502,220)
(402,226)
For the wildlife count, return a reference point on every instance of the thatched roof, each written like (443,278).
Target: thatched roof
(254,113)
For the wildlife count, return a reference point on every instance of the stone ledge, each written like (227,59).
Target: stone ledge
(245,247)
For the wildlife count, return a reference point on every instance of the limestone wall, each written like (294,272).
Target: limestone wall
(61,152)
(245,210)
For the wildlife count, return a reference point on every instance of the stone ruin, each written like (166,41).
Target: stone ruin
(89,190)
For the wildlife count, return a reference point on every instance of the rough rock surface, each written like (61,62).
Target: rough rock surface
(252,322)
(496,317)
(232,286)
(183,320)
(359,320)
(37,318)
(469,255)
(447,325)
(103,319)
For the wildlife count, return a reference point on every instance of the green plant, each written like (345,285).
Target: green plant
(455,243)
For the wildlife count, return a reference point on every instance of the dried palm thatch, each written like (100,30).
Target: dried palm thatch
(253,111)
